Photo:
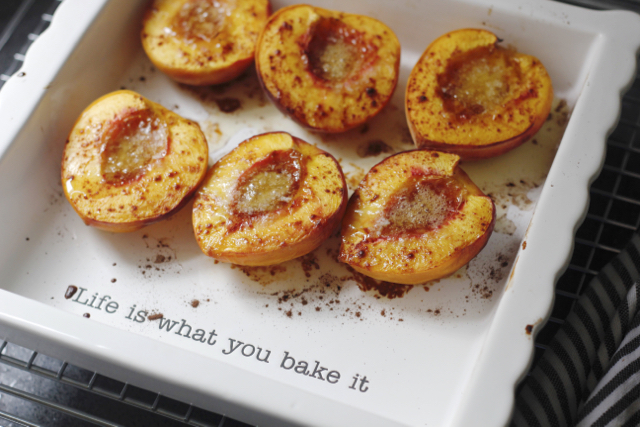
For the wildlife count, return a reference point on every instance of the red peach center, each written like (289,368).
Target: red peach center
(131,144)
(268,184)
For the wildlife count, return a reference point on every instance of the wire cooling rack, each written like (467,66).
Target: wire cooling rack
(37,390)
(614,208)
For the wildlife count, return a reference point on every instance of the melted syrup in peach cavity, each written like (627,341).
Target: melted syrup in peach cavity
(200,20)
(131,145)
(477,81)
(421,207)
(269,184)
(335,50)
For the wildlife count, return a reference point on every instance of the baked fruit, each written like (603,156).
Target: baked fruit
(330,71)
(469,96)
(203,42)
(272,199)
(415,217)
(129,162)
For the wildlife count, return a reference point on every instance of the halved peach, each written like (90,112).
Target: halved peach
(469,96)
(203,42)
(415,217)
(330,71)
(129,162)
(272,199)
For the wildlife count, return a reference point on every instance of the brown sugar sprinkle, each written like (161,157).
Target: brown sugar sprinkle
(87,315)
(155,316)
(194,303)
(309,262)
(483,292)
(373,148)
(322,294)
(327,284)
(383,289)
(528,329)
(228,105)
(71,291)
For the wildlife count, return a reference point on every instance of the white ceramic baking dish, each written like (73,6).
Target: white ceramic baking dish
(446,354)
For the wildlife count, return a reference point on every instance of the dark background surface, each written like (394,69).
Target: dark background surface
(613,216)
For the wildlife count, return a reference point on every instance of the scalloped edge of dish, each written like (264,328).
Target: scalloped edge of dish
(524,302)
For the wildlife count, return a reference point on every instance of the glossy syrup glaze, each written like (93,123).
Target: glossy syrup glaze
(201,20)
(335,50)
(267,186)
(131,144)
(423,206)
(478,81)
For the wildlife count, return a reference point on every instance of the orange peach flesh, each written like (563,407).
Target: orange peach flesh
(469,96)
(327,70)
(272,199)
(421,223)
(129,162)
(203,42)
(477,81)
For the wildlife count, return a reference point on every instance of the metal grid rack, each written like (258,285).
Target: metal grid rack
(44,391)
(97,400)
(21,22)
(614,208)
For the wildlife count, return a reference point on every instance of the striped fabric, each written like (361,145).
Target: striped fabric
(590,374)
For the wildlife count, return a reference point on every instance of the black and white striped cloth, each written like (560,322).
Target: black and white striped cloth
(590,374)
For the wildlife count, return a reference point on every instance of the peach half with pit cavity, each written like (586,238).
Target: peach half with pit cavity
(272,199)
(129,162)
(330,71)
(469,96)
(415,217)
(203,42)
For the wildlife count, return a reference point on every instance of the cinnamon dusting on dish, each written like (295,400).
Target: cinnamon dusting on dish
(381,288)
(228,105)
(263,275)
(373,148)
